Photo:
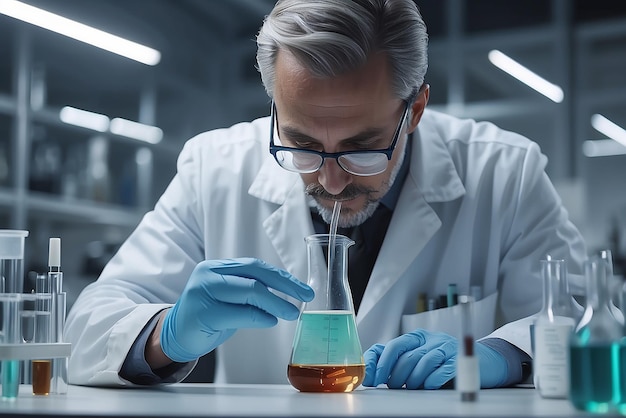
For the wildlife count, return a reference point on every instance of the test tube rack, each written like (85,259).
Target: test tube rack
(27,333)
(34,351)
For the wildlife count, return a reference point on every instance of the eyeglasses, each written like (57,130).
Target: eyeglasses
(358,162)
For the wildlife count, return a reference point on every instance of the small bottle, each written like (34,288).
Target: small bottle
(595,346)
(552,332)
(467,380)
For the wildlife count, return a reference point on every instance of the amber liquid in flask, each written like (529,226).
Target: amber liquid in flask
(326,354)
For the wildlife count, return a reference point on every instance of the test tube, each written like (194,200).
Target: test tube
(467,371)
(55,277)
(12,286)
(41,368)
(12,331)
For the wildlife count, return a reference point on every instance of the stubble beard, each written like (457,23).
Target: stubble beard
(351,219)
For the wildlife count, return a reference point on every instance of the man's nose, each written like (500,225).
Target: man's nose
(332,177)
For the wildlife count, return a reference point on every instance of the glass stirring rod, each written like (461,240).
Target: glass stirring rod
(331,245)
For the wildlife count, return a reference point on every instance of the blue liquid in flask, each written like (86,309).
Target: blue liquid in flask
(595,377)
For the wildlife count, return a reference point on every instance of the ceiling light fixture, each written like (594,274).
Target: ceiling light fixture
(80,32)
(526,76)
(609,128)
(136,130)
(602,148)
(117,126)
(85,119)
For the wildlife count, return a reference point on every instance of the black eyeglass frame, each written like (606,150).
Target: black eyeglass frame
(274,149)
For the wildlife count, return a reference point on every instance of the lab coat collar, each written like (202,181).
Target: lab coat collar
(291,222)
(432,178)
(432,168)
(273,183)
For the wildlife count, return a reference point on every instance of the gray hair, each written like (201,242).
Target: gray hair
(333,37)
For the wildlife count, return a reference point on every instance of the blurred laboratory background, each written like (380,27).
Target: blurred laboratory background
(89,138)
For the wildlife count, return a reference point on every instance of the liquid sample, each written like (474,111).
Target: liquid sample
(595,375)
(326,338)
(10,379)
(326,354)
(41,376)
(622,378)
(325,378)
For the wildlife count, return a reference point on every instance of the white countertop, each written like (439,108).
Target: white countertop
(210,400)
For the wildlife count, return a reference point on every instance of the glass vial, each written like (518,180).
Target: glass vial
(41,368)
(326,353)
(595,347)
(467,381)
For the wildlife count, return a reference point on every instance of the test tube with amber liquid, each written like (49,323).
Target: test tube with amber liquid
(42,368)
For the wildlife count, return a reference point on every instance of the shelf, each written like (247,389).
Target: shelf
(61,208)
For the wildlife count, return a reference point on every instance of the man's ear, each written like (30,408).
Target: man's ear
(418,106)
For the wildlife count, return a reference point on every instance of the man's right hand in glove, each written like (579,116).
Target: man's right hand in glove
(220,297)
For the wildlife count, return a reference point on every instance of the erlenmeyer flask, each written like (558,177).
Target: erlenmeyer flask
(326,354)
(594,347)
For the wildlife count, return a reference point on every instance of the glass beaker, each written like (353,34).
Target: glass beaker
(595,345)
(326,353)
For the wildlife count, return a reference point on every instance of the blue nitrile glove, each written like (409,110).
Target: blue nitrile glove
(222,296)
(427,360)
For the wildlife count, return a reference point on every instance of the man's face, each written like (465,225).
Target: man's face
(355,111)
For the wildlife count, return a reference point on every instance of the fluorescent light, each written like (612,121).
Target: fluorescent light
(80,32)
(609,128)
(118,126)
(526,76)
(136,130)
(85,119)
(602,148)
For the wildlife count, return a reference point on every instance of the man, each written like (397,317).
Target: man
(435,200)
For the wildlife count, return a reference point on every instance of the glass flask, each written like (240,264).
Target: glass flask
(326,353)
(553,329)
(613,284)
(595,346)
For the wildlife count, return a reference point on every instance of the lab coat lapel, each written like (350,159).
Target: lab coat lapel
(432,178)
(290,223)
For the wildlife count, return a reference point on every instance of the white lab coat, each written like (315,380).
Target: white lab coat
(476,208)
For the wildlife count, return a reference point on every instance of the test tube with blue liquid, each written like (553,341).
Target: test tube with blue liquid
(12,286)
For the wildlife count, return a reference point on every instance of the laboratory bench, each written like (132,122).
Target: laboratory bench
(218,400)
